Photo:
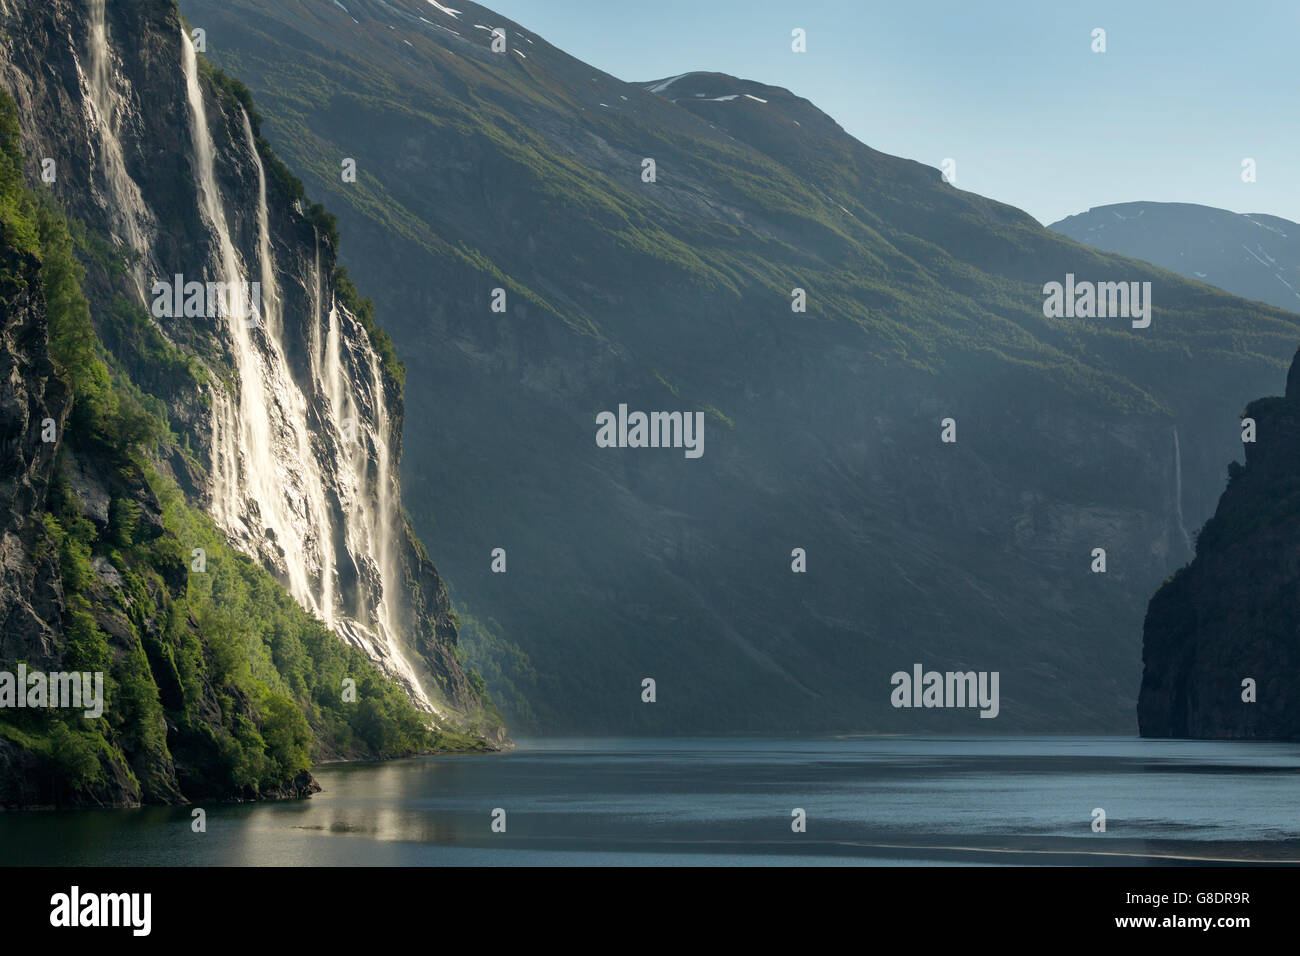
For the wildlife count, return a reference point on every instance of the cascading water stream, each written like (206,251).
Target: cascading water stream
(368,509)
(127,207)
(1178,490)
(256,425)
(267,476)
(312,484)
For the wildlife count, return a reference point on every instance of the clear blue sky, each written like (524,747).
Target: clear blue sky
(1011,90)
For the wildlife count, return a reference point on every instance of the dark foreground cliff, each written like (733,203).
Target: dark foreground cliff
(1221,644)
(200,507)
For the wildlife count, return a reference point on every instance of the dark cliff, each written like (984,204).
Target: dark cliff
(1233,614)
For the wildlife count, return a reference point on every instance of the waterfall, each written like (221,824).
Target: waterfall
(313,484)
(274,478)
(369,503)
(384,480)
(127,208)
(257,425)
(1178,491)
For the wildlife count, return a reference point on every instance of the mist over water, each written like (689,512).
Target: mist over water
(893,800)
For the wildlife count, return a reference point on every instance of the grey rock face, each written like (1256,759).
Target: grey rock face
(32,402)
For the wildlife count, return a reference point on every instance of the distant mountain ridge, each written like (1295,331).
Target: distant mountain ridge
(1251,255)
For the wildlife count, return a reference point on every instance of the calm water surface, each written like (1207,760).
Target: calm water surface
(876,800)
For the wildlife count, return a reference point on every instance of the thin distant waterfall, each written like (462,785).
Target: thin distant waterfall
(1178,491)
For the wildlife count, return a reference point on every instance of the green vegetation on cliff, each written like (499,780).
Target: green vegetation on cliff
(217,684)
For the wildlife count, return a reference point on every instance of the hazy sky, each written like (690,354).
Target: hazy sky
(1010,89)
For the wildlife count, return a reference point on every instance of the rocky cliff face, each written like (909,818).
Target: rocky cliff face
(32,396)
(284,408)
(1220,645)
(30,599)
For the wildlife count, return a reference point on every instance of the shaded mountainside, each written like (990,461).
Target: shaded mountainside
(1250,255)
(201,505)
(1231,614)
(523,170)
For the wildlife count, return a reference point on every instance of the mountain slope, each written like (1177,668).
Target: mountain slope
(1254,256)
(1229,616)
(177,439)
(523,170)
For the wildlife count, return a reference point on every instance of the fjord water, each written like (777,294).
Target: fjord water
(880,800)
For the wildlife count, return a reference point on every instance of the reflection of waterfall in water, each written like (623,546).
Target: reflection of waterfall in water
(271,473)
(1178,490)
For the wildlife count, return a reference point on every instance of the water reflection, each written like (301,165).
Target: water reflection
(868,799)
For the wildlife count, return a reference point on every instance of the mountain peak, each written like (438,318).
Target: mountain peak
(702,84)
(1249,254)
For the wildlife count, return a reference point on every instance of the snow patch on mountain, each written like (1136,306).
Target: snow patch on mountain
(664,84)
